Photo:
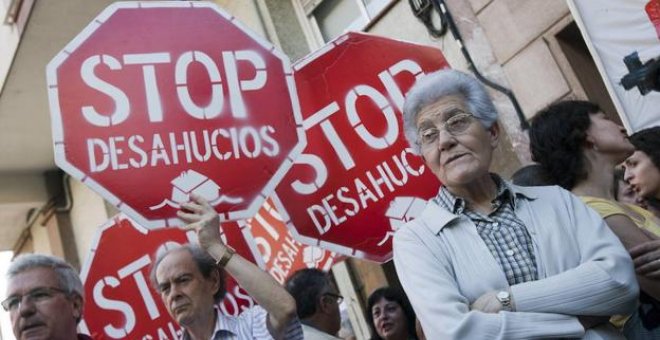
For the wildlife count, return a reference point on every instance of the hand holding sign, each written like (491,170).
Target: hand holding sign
(261,287)
(203,219)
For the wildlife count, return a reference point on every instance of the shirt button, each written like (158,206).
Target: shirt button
(496,224)
(510,252)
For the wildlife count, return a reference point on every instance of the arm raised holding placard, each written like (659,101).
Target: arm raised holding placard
(281,307)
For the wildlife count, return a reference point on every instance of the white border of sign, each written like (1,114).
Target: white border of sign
(58,133)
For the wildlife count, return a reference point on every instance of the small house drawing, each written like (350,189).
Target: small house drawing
(191,181)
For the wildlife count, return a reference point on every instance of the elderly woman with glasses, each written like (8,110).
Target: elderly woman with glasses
(491,260)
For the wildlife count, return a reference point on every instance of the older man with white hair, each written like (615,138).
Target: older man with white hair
(44,298)
(190,280)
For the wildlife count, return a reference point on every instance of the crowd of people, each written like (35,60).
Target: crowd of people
(569,249)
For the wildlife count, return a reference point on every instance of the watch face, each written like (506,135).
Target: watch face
(503,296)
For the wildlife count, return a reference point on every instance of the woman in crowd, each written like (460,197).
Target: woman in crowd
(390,315)
(579,148)
(643,175)
(625,193)
(642,169)
(487,259)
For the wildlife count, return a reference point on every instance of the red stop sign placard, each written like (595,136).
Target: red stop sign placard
(276,250)
(154,101)
(119,300)
(357,180)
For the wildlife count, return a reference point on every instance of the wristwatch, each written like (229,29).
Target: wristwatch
(504,298)
(226,256)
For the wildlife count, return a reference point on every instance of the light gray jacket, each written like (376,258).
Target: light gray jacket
(583,269)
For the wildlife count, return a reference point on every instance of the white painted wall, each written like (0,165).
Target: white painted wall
(246,12)
(41,241)
(87,214)
(399,23)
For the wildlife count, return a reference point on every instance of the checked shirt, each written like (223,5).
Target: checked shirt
(504,234)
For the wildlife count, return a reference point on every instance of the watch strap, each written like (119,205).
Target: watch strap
(226,256)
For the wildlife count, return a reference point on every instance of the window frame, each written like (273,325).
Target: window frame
(369,14)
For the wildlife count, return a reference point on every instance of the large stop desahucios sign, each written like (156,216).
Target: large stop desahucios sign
(357,180)
(153,101)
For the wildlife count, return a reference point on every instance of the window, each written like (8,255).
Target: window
(330,18)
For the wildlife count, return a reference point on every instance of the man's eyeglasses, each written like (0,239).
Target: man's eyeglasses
(455,125)
(36,296)
(337,297)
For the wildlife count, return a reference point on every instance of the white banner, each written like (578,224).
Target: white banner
(614,29)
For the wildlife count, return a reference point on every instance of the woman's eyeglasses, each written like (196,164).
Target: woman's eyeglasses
(455,125)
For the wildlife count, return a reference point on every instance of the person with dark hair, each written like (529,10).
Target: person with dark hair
(622,191)
(317,303)
(642,168)
(190,282)
(558,133)
(579,147)
(390,316)
(625,193)
(642,172)
(531,175)
(488,259)
(45,298)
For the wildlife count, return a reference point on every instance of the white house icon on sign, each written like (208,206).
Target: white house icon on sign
(401,211)
(191,181)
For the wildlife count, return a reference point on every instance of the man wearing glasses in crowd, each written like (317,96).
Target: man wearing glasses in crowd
(317,303)
(44,298)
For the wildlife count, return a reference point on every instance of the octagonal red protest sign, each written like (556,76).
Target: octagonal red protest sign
(153,101)
(272,243)
(119,300)
(357,180)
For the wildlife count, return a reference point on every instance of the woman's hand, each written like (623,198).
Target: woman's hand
(646,257)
